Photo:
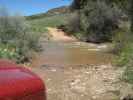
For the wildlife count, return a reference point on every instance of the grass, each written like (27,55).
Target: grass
(123,48)
(39,25)
(8,52)
(125,58)
(127,61)
(128,75)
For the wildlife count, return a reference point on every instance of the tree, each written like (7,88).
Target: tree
(99,20)
(15,34)
(76,4)
(131,13)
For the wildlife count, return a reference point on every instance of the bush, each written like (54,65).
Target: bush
(73,24)
(124,49)
(8,52)
(122,41)
(15,34)
(128,74)
(125,55)
(125,59)
(99,20)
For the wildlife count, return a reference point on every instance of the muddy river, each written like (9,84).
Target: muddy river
(73,53)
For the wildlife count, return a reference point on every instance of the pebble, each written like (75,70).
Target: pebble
(53,70)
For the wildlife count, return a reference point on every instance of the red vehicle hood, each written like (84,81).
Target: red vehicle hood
(18,81)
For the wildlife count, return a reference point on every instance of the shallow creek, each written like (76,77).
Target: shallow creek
(72,53)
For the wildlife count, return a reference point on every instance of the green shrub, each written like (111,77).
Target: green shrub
(124,50)
(8,52)
(128,64)
(99,20)
(125,55)
(15,33)
(128,75)
(123,42)
(73,24)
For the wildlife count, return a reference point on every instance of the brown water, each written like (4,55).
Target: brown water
(72,53)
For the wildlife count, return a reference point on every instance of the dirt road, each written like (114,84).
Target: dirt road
(59,35)
(85,81)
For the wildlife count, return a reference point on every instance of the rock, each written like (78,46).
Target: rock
(129,97)
(79,89)
(53,70)
(94,38)
(75,82)
(102,47)
(94,97)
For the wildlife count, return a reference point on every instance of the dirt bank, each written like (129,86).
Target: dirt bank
(59,35)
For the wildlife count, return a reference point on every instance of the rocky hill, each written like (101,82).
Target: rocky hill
(54,11)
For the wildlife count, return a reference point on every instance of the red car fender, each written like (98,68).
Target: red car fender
(19,83)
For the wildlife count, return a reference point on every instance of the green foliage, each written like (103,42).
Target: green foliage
(128,63)
(78,4)
(128,75)
(98,21)
(99,18)
(15,34)
(125,55)
(123,4)
(8,52)
(124,49)
(72,25)
(40,25)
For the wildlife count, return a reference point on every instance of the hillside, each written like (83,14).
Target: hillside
(51,12)
(52,18)
(39,25)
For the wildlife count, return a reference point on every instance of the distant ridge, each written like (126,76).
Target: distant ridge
(51,12)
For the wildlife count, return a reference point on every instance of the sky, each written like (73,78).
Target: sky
(30,7)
